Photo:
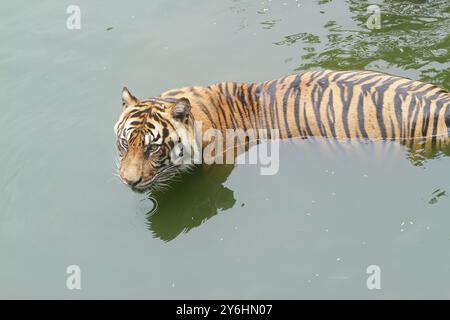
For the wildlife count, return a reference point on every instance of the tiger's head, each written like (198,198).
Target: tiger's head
(152,137)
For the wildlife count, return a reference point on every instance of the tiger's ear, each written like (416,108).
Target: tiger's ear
(127,98)
(181,109)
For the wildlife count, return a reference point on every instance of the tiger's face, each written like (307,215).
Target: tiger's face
(151,136)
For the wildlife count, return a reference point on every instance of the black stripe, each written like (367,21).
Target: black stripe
(208,114)
(398,106)
(362,80)
(214,105)
(273,103)
(413,125)
(230,106)
(362,116)
(165,132)
(439,106)
(315,105)
(380,90)
(323,84)
(308,129)
(447,119)
(264,110)
(426,118)
(138,113)
(345,100)
(409,115)
(315,75)
(251,106)
(366,88)
(220,107)
(235,103)
(330,114)
(338,74)
(392,130)
(241,99)
(294,87)
(297,112)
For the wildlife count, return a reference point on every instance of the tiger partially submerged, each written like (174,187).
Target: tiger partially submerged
(152,134)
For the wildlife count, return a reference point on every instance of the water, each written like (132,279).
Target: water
(309,231)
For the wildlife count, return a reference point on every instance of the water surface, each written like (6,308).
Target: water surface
(309,231)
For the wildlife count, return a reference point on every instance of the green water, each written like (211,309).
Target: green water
(309,231)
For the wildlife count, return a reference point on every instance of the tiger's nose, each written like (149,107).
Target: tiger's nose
(132,182)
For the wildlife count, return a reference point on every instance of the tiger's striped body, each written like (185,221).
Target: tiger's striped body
(342,105)
(350,105)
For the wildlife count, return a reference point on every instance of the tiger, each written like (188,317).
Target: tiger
(151,134)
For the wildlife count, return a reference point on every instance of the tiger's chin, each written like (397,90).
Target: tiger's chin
(142,189)
(161,181)
(145,187)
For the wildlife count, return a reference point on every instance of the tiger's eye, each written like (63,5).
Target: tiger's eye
(153,147)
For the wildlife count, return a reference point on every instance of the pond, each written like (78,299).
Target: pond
(309,231)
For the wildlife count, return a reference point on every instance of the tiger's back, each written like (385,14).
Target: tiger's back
(336,104)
